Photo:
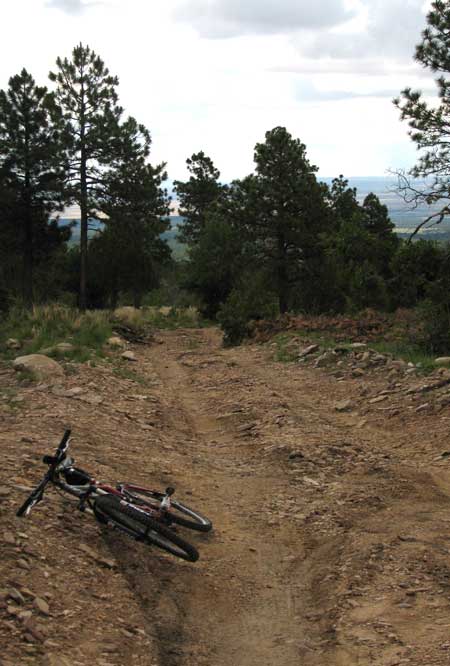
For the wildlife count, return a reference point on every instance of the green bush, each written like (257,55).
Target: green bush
(246,303)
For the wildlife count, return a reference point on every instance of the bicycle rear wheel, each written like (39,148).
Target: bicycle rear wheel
(142,527)
(178,513)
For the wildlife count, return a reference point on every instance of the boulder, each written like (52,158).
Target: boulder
(40,366)
(64,347)
(129,356)
(12,343)
(442,360)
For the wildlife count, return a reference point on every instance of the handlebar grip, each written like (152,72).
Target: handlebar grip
(66,436)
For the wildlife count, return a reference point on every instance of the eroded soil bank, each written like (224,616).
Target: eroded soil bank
(331,543)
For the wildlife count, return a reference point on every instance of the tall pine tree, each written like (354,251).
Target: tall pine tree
(31,166)
(87,94)
(285,210)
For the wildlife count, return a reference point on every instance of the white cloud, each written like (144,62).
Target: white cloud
(234,18)
(221,96)
(74,7)
(391,31)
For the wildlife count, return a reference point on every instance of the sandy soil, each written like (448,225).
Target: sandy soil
(330,542)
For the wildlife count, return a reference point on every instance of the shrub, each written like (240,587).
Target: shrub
(251,301)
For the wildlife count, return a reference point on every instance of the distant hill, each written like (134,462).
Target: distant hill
(404,218)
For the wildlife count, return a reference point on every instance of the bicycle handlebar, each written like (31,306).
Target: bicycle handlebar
(52,461)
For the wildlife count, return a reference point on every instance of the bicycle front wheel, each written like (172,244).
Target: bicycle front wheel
(110,508)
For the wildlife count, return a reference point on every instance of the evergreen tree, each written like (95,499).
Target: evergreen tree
(87,94)
(285,211)
(130,250)
(31,167)
(429,123)
(197,196)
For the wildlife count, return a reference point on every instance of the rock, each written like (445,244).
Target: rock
(23,564)
(107,562)
(379,359)
(357,345)
(56,660)
(341,349)
(379,398)
(12,343)
(343,406)
(40,366)
(115,341)
(12,610)
(90,398)
(442,360)
(295,455)
(358,372)
(4,491)
(398,363)
(24,616)
(65,347)
(9,538)
(41,605)
(323,359)
(14,594)
(67,393)
(422,408)
(129,356)
(308,350)
(311,482)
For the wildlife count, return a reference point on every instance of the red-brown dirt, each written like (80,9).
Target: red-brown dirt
(330,543)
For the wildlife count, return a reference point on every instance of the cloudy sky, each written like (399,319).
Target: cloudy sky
(215,75)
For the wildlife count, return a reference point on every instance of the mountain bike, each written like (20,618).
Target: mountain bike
(143,514)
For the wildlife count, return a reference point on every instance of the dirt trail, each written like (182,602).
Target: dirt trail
(331,543)
(243,612)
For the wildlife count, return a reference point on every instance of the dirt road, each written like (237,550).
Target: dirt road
(331,542)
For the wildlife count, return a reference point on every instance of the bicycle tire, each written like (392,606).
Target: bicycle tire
(143,527)
(196,520)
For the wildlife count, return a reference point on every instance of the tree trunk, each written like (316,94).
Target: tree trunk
(83,208)
(27,286)
(137,299)
(83,238)
(28,229)
(282,277)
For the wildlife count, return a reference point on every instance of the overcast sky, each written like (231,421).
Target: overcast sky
(215,75)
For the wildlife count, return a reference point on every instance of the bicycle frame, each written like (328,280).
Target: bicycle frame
(61,463)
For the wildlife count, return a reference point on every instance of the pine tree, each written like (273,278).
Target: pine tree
(31,165)
(429,123)
(285,210)
(136,205)
(197,196)
(87,94)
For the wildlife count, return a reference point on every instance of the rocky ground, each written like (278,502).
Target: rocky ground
(327,479)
